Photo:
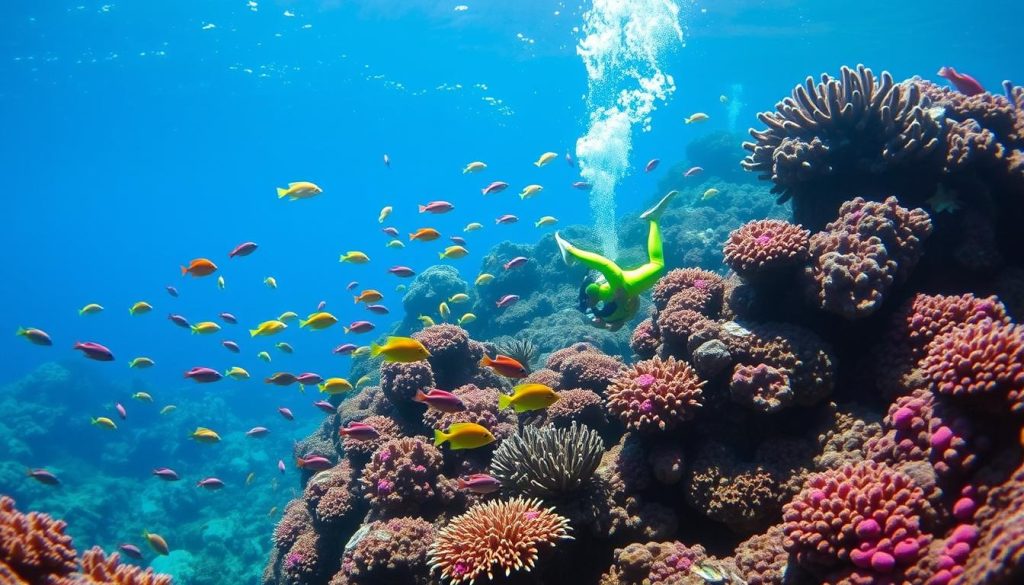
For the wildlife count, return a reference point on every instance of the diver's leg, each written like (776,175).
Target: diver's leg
(609,269)
(654,213)
(643,277)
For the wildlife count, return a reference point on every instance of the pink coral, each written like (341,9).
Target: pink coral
(644,340)
(100,569)
(391,551)
(329,496)
(655,395)
(402,474)
(453,357)
(481,408)
(584,366)
(765,246)
(760,387)
(583,406)
(705,287)
(294,521)
(401,381)
(998,556)
(301,565)
(652,562)
(359,451)
(794,351)
(34,546)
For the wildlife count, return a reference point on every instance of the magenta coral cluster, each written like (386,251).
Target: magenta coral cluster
(402,474)
(766,245)
(655,395)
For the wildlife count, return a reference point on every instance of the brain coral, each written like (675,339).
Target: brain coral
(766,245)
(655,395)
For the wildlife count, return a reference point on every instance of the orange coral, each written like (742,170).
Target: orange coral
(34,546)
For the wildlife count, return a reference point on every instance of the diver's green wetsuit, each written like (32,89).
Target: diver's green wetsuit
(620,290)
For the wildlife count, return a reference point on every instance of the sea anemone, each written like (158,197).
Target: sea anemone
(547,462)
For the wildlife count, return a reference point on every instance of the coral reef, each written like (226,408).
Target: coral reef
(653,395)
(547,462)
(402,475)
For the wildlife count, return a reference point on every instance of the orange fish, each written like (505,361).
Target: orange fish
(505,366)
(425,235)
(199,267)
(368,296)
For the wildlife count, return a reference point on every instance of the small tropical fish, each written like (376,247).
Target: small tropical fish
(479,483)
(313,463)
(359,431)
(384,213)
(281,379)
(166,474)
(354,257)
(284,347)
(249,478)
(210,483)
(280,465)
(130,550)
(441,400)
(168,409)
(387,160)
(424,235)
(530,191)
(474,167)
(709,194)
(568,159)
(545,159)
(363,381)
(528,397)
(395,244)
(299,190)
(171,291)
(400,349)
(344,348)
(270,281)
(286,413)
(697,117)
(693,171)
(361,351)
(105,422)
(243,249)
(42,476)
(140,308)
(368,296)
(444,311)
(179,320)
(507,218)
(495,187)
(142,397)
(483,279)
(94,351)
(964,83)
(237,373)
(205,328)
(231,345)
(458,240)
(141,363)
(453,252)
(90,309)
(400,288)
(582,186)
(506,301)
(351,285)
(515,262)
(199,267)
(473,226)
(205,435)
(321,306)
(121,411)
(458,298)
(436,207)
(288,316)
(220,282)
(268,328)
(402,271)
(466,319)
(309,378)
(464,435)
(257,432)
(505,366)
(359,327)
(203,375)
(426,320)
(332,386)
(391,231)
(325,406)
(377,309)
(157,543)
(317,321)
(651,165)
(264,356)
(546,221)
(36,336)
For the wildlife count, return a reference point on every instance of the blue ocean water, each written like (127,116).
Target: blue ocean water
(141,135)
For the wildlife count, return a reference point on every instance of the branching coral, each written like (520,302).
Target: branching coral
(547,462)
(34,546)
(100,569)
(496,538)
(401,475)
(766,246)
(655,395)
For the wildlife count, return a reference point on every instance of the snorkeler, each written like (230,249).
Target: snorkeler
(614,298)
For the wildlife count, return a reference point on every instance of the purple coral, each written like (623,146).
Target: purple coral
(391,551)
(584,366)
(453,356)
(400,382)
(766,246)
(655,395)
(760,387)
(402,474)
(359,451)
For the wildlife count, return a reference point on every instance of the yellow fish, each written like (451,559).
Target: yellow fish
(545,159)
(527,397)
(458,298)
(90,309)
(287,316)
(444,311)
(546,220)
(270,281)
(473,226)
(205,328)
(140,308)
(237,373)
(354,257)
(334,386)
(268,328)
(453,252)
(363,381)
(143,396)
(426,320)
(168,409)
(530,191)
(250,477)
(483,279)
(395,244)
(474,167)
(321,320)
(220,282)
(467,318)
(464,435)
(361,351)
(286,348)
(141,362)
(384,213)
(205,435)
(400,349)
(709,194)
(698,117)
(264,356)
(299,190)
(104,422)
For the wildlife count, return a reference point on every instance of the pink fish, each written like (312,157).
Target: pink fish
(231,345)
(359,327)
(286,413)
(313,463)
(280,465)
(325,406)
(43,476)
(693,171)
(515,262)
(651,165)
(402,271)
(229,318)
(378,309)
(210,483)
(257,432)
(507,218)
(353,284)
(171,290)
(440,400)
(321,306)
(436,207)
(166,474)
(243,249)
(359,431)
(130,550)
(479,483)
(964,83)
(345,348)
(179,321)
(459,240)
(203,375)
(495,187)
(94,351)
(391,231)
(309,379)
(506,301)
(568,159)
(121,411)
(582,186)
